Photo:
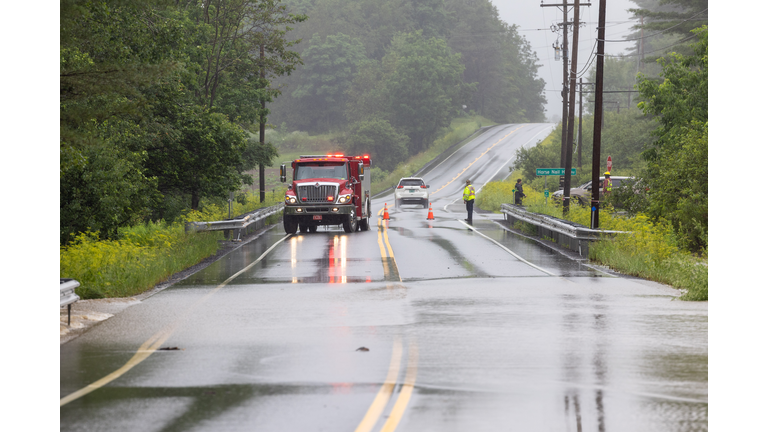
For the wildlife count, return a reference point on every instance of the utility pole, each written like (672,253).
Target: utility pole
(595,220)
(262,124)
(581,100)
(571,111)
(564,137)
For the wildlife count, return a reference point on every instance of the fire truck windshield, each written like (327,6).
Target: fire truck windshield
(321,170)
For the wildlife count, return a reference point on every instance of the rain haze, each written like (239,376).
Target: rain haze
(534,22)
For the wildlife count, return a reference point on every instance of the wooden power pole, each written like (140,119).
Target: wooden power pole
(262,127)
(571,111)
(595,220)
(565,91)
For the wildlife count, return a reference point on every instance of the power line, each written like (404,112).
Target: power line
(656,50)
(669,28)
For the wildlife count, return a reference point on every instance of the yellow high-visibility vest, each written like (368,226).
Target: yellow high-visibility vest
(469,193)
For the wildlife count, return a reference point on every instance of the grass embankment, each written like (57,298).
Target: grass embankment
(146,254)
(650,252)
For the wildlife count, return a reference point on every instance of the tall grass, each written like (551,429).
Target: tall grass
(650,250)
(146,254)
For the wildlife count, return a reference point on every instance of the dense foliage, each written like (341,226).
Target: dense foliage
(424,63)
(159,100)
(155,102)
(677,174)
(663,144)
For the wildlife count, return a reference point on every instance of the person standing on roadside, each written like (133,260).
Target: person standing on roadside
(469,200)
(519,195)
(607,184)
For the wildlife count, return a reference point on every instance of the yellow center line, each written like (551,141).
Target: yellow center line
(383,238)
(405,393)
(381,244)
(385,392)
(154,342)
(476,159)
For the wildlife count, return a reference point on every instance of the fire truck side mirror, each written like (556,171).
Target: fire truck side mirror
(362,172)
(282,173)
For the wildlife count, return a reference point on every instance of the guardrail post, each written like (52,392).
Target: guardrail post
(67,296)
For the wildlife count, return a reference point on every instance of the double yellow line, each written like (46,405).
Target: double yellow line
(476,159)
(385,392)
(383,237)
(382,398)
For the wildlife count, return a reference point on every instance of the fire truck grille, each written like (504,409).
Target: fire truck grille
(316,194)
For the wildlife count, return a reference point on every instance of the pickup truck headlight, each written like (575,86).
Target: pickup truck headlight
(343,199)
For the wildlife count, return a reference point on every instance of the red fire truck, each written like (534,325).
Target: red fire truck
(327,190)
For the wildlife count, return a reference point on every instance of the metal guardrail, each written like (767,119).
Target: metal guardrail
(67,295)
(239,224)
(566,233)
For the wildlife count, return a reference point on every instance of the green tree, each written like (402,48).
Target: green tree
(329,67)
(377,138)
(109,52)
(680,105)
(425,90)
(499,60)
(199,154)
(240,47)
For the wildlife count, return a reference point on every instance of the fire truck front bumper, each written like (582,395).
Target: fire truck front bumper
(321,210)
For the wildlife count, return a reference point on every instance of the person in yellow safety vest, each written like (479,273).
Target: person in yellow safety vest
(469,200)
(607,184)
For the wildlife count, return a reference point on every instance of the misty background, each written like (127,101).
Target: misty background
(534,22)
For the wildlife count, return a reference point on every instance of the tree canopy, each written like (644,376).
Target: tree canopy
(677,174)
(493,70)
(155,102)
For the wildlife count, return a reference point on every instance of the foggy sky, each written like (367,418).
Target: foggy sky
(534,23)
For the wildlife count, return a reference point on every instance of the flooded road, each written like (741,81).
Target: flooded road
(416,325)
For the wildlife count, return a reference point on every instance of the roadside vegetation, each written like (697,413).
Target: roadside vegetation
(147,254)
(150,134)
(662,143)
(652,250)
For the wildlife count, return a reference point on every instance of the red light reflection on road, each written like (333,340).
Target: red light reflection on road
(337,260)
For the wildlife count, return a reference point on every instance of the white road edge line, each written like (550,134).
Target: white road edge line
(505,248)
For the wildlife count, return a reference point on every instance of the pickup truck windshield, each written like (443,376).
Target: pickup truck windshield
(322,170)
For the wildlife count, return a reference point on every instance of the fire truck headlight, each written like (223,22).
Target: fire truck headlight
(343,199)
(290,199)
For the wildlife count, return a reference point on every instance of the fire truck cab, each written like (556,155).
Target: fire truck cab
(327,190)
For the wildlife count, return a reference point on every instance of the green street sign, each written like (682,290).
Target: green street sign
(546,193)
(553,171)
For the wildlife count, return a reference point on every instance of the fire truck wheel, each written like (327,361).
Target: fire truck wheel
(303,228)
(349,224)
(290,224)
(363,224)
(312,228)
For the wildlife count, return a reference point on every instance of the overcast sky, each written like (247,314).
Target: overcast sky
(534,23)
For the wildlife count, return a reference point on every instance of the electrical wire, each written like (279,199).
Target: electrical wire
(656,50)
(658,33)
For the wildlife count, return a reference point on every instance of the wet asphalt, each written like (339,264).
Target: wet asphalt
(415,325)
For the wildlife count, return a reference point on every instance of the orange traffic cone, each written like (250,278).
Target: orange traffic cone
(430,216)
(386,213)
